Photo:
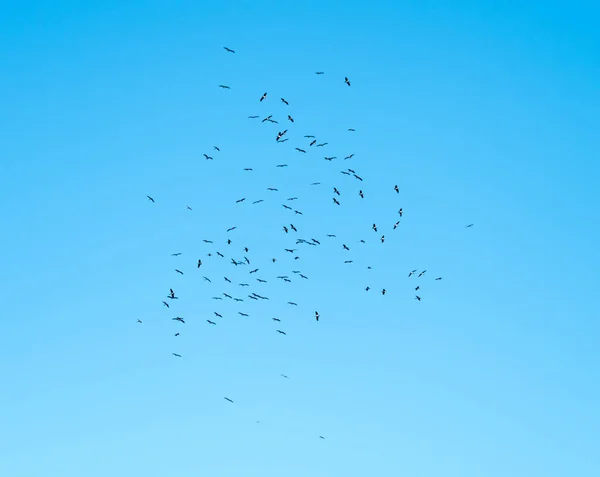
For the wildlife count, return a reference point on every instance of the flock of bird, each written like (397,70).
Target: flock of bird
(244,263)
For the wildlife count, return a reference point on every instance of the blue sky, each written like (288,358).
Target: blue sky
(481,112)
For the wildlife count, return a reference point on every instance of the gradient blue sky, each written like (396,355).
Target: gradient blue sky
(482,112)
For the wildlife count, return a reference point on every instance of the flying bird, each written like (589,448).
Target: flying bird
(281,332)
(227,399)
(179,271)
(263,96)
(150,198)
(178,355)
(224,86)
(228,49)
(317,315)
(211,322)
(347,81)
(285,102)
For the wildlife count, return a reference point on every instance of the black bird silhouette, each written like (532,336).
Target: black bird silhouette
(347,81)
(253,117)
(421,274)
(367,289)
(248,169)
(396,225)
(263,96)
(283,375)
(175,254)
(349,157)
(150,198)
(330,158)
(227,399)
(207,279)
(417,297)
(231,228)
(323,144)
(229,49)
(176,334)
(292,303)
(207,241)
(470,225)
(313,142)
(220,255)
(179,271)
(400,212)
(280,165)
(317,315)
(383,291)
(178,355)
(258,201)
(139,321)
(336,201)
(227,279)
(360,192)
(240,200)
(285,102)
(211,322)
(242,314)
(166,304)
(290,118)
(345,246)
(382,238)
(351,129)
(217,314)
(224,86)
(276,319)
(300,150)
(319,73)
(272,189)
(411,273)
(374,227)
(216,148)
(208,157)
(281,332)
(417,287)
(438,278)
(396,189)
(179,319)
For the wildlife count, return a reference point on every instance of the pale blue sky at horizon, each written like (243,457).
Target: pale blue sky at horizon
(481,112)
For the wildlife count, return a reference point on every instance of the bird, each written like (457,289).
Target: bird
(208,158)
(176,254)
(345,246)
(231,228)
(285,102)
(292,303)
(139,321)
(276,319)
(411,273)
(349,157)
(470,225)
(179,271)
(360,192)
(179,319)
(382,238)
(383,292)
(211,322)
(176,334)
(253,117)
(166,304)
(290,118)
(178,355)
(317,315)
(347,81)
(216,148)
(286,377)
(150,198)
(188,207)
(263,96)
(229,49)
(224,86)
(227,399)
(396,189)
(417,297)
(351,129)
(240,200)
(374,227)
(300,150)
(421,274)
(319,73)
(281,332)
(438,278)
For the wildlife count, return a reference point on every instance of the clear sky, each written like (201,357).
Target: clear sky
(481,112)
